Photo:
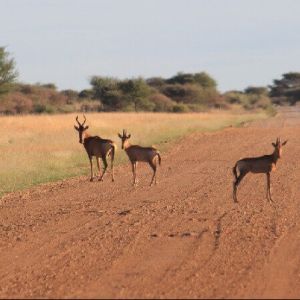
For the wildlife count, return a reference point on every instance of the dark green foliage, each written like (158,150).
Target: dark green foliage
(287,89)
(261,90)
(136,92)
(44,108)
(102,85)
(107,89)
(291,76)
(86,94)
(8,74)
(202,79)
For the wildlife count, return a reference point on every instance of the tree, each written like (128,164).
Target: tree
(8,74)
(102,85)
(137,92)
(205,80)
(202,79)
(257,90)
(287,89)
(107,89)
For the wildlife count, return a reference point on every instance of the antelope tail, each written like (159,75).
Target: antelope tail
(235,172)
(159,157)
(113,150)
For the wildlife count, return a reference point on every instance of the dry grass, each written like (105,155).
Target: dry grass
(37,149)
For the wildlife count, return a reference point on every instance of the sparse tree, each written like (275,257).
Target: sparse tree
(8,73)
(137,91)
(287,89)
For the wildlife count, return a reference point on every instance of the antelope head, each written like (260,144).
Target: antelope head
(278,147)
(125,137)
(81,128)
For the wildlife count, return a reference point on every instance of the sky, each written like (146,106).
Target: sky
(240,43)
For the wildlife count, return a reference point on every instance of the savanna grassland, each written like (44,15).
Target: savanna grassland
(43,148)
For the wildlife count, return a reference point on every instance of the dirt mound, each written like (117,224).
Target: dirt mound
(181,238)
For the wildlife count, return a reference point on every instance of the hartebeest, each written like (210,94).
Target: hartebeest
(98,147)
(138,153)
(263,164)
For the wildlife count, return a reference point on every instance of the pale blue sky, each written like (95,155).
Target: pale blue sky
(238,42)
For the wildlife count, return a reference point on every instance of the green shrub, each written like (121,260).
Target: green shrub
(180,108)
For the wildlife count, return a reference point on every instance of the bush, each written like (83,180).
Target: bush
(91,106)
(26,89)
(16,103)
(162,102)
(86,94)
(39,108)
(44,108)
(51,86)
(180,108)
(156,82)
(234,97)
(191,93)
(71,94)
(257,90)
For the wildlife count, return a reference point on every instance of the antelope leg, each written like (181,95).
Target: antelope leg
(269,188)
(91,163)
(104,169)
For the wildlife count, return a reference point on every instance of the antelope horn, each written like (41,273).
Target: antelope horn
(78,121)
(84,120)
(278,141)
(124,132)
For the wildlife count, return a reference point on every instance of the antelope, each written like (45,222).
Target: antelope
(98,147)
(263,164)
(138,153)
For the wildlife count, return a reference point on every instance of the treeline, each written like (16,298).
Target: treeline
(184,92)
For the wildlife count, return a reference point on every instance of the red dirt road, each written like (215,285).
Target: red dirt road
(184,238)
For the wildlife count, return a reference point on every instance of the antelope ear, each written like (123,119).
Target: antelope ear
(274,145)
(119,135)
(86,127)
(284,143)
(128,136)
(76,127)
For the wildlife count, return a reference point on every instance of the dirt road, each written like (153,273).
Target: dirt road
(182,238)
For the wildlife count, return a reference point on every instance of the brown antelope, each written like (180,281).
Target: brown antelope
(138,153)
(98,147)
(263,164)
